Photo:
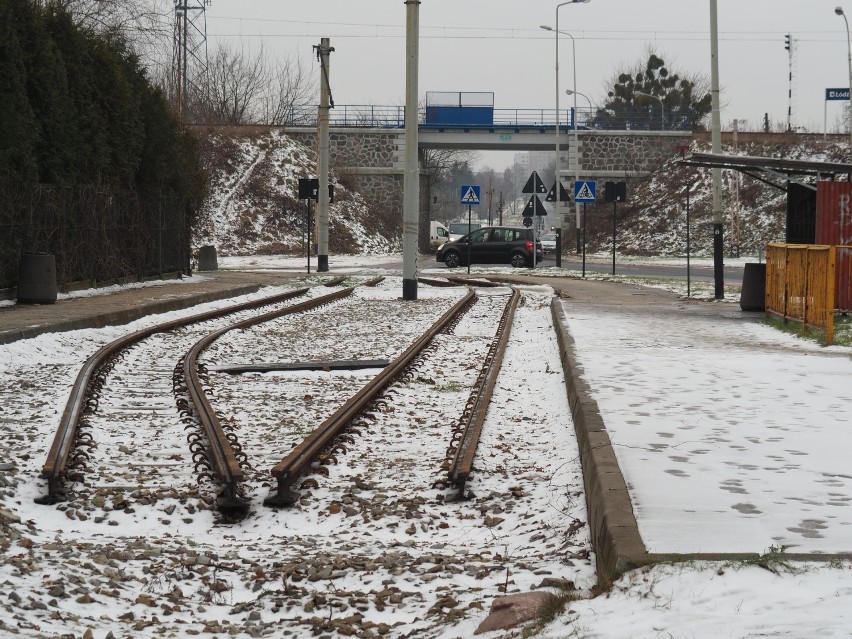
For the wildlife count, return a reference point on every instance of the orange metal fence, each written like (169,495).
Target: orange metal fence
(800,284)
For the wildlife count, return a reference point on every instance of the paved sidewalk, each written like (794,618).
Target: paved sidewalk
(120,305)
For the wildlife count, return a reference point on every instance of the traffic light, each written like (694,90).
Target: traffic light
(788,41)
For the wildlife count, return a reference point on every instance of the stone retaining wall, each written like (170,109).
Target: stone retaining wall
(358,147)
(627,153)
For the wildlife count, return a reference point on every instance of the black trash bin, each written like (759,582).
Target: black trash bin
(753,294)
(37,279)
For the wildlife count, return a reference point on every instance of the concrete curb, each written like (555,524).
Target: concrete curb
(126,315)
(615,534)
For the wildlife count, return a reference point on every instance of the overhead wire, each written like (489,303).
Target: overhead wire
(515,33)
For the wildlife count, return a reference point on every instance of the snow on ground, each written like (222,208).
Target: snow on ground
(733,438)
(356,554)
(753,421)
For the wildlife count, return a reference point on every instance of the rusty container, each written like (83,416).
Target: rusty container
(834,226)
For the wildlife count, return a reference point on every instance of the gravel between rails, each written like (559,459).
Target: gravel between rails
(363,553)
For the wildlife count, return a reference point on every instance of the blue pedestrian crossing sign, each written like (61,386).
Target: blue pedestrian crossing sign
(470,194)
(585,191)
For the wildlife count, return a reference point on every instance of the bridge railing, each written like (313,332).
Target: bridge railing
(393,117)
(351,115)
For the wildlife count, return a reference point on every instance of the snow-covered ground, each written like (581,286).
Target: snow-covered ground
(733,438)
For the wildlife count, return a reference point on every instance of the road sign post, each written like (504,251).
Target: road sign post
(558,193)
(585,192)
(832,95)
(584,240)
(615,192)
(533,210)
(470,196)
(534,207)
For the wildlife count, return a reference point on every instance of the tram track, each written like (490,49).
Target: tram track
(432,363)
(375,534)
(72,443)
(214,447)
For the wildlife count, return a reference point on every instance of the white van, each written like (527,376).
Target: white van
(460,228)
(438,234)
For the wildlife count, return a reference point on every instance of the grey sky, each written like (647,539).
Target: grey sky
(492,45)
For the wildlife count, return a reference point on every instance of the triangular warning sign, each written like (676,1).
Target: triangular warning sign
(534,185)
(551,195)
(585,193)
(534,207)
(470,197)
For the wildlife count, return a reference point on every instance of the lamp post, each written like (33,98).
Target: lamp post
(839,11)
(582,95)
(716,141)
(662,107)
(556,33)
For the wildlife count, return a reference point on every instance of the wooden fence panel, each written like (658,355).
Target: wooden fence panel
(800,284)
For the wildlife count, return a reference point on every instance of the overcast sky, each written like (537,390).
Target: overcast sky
(497,46)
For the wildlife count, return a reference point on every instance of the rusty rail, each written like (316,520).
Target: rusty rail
(86,390)
(466,434)
(300,459)
(223,449)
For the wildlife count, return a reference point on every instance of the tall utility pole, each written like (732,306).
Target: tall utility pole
(189,52)
(411,178)
(716,139)
(790,45)
(326,103)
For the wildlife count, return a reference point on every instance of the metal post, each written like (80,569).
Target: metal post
(308,233)
(535,230)
(576,143)
(614,205)
(688,273)
(839,11)
(469,220)
(411,179)
(323,51)
(584,240)
(716,138)
(558,164)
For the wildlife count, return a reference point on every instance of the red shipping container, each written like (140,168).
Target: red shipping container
(834,226)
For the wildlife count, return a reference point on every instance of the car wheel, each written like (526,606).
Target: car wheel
(451,259)
(518,260)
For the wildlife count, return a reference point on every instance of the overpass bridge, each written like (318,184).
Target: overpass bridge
(367,143)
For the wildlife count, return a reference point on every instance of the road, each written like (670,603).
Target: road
(704,273)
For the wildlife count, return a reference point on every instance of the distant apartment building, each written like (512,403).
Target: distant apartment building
(530,161)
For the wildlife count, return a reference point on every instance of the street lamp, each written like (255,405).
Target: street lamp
(582,95)
(556,33)
(662,107)
(839,11)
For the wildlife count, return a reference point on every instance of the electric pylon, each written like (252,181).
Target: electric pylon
(189,57)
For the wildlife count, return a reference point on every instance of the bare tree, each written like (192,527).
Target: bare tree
(234,89)
(142,23)
(289,93)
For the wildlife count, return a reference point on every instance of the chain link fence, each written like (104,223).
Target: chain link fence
(98,235)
